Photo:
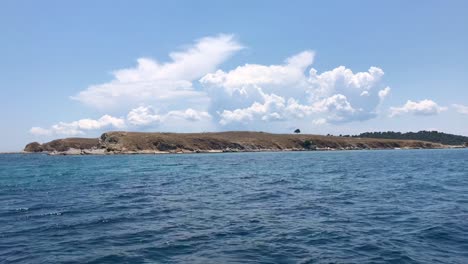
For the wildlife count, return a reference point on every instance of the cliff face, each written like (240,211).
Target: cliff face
(136,142)
(62,145)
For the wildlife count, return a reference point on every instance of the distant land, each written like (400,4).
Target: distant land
(119,142)
(431,136)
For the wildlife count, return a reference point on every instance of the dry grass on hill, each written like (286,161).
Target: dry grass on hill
(245,141)
(127,142)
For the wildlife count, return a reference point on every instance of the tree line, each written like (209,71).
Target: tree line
(431,136)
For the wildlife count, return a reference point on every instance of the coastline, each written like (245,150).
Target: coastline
(115,143)
(77,152)
(86,152)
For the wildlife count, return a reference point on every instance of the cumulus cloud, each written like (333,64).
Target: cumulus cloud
(244,78)
(384,93)
(424,107)
(189,115)
(272,109)
(344,81)
(247,84)
(338,107)
(79,127)
(276,108)
(166,84)
(143,116)
(462,109)
(190,90)
(140,117)
(254,92)
(39,131)
(146,115)
(319,121)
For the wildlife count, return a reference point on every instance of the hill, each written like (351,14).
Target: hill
(430,136)
(242,141)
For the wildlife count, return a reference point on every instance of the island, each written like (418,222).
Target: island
(120,142)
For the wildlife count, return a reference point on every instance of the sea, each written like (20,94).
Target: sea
(378,206)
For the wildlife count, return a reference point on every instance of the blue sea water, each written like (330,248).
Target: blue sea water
(396,206)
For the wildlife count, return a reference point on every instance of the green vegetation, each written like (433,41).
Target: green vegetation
(307,144)
(431,136)
(297,131)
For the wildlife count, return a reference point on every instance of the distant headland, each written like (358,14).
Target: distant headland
(119,142)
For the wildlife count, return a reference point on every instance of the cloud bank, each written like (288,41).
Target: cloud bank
(462,109)
(257,93)
(424,107)
(146,115)
(79,127)
(164,84)
(191,93)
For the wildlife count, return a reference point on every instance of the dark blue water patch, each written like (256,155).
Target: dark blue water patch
(298,207)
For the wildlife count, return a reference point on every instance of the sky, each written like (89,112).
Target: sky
(79,68)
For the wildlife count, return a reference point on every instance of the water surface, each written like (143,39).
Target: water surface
(398,206)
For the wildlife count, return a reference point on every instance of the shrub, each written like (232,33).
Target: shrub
(307,144)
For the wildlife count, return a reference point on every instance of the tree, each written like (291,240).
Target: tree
(297,131)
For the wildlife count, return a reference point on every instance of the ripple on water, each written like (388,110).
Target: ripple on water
(295,207)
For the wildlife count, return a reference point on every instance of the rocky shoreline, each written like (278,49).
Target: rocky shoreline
(111,143)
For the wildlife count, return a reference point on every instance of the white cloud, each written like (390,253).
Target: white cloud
(319,121)
(462,109)
(384,93)
(79,127)
(272,109)
(423,107)
(244,85)
(240,94)
(104,121)
(39,131)
(142,116)
(146,115)
(360,90)
(191,92)
(338,107)
(337,102)
(277,108)
(344,81)
(166,84)
(189,115)
(250,76)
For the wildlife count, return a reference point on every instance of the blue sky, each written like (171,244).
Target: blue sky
(73,68)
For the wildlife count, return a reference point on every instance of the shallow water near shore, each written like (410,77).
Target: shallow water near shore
(388,206)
